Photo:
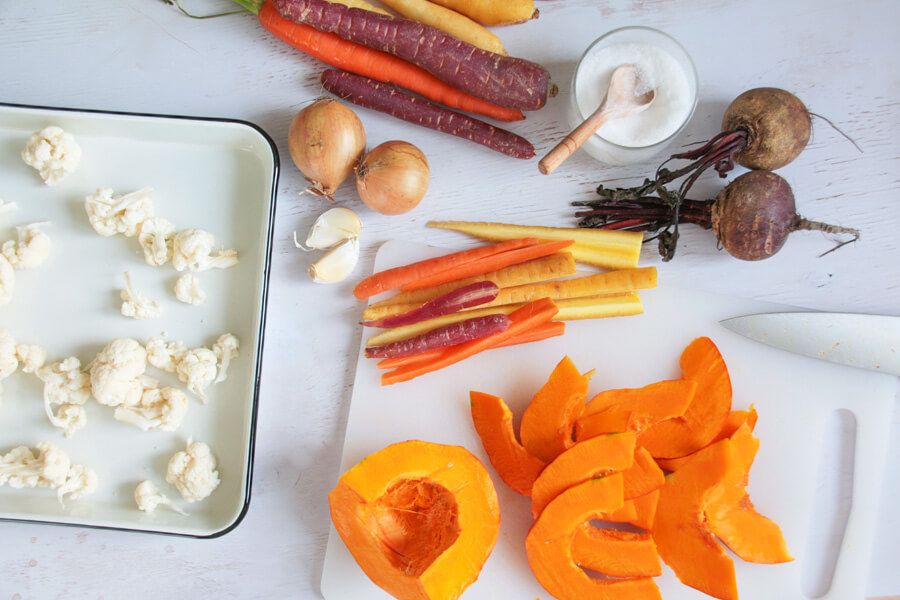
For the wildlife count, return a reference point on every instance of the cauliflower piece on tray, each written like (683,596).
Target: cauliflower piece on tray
(156,238)
(80,481)
(148,498)
(197,370)
(188,290)
(117,373)
(21,468)
(53,152)
(66,385)
(136,305)
(160,408)
(30,250)
(193,472)
(165,355)
(111,215)
(225,348)
(192,250)
(7,281)
(31,357)
(9,356)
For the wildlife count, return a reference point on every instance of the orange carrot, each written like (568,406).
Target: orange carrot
(541,332)
(359,59)
(488,264)
(523,319)
(397,277)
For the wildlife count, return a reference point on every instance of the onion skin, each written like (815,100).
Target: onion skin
(326,140)
(778,125)
(393,177)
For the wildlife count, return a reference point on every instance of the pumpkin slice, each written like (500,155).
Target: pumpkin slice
(585,460)
(680,532)
(627,513)
(616,553)
(643,476)
(419,518)
(494,423)
(733,518)
(612,421)
(550,545)
(702,362)
(645,509)
(733,421)
(546,429)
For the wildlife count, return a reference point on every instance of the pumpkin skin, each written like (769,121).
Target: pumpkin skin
(419,518)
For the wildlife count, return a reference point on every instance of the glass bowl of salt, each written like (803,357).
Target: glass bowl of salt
(663,65)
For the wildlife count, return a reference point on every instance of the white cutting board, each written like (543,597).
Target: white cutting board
(793,394)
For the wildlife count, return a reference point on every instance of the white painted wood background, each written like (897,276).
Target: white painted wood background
(842,58)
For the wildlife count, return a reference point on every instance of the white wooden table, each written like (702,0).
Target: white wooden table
(842,58)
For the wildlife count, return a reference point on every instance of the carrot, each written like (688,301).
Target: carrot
(474,294)
(363,5)
(451,335)
(397,103)
(392,279)
(488,264)
(541,332)
(449,21)
(503,80)
(337,52)
(494,12)
(601,284)
(525,318)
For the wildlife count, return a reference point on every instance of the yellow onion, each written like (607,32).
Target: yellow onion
(326,140)
(392,178)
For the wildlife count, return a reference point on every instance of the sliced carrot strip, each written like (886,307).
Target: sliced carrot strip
(487,264)
(732,423)
(494,423)
(616,553)
(547,424)
(643,476)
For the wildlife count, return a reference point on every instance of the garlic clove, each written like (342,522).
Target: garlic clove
(337,264)
(333,227)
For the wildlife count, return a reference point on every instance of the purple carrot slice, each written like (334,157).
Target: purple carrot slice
(442,337)
(474,294)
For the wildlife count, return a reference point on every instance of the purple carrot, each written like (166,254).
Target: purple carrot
(398,103)
(474,294)
(449,335)
(503,80)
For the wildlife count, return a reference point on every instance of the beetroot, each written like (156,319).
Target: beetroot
(777,126)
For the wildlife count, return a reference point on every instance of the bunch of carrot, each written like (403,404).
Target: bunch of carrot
(431,50)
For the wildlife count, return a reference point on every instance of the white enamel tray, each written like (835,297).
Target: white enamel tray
(217,175)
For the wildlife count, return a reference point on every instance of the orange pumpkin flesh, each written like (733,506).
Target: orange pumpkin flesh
(494,423)
(419,518)
(585,460)
(615,553)
(645,509)
(680,532)
(732,423)
(546,429)
(644,476)
(701,362)
(550,545)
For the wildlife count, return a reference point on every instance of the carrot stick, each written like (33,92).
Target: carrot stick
(488,264)
(523,319)
(392,279)
(356,58)
(541,332)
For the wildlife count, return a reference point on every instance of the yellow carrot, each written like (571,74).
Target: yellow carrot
(361,4)
(457,25)
(494,12)
(598,247)
(592,307)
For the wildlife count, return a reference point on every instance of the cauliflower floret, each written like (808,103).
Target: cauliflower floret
(31,357)
(117,373)
(156,240)
(160,408)
(225,348)
(80,481)
(197,369)
(7,281)
(30,250)
(20,468)
(9,357)
(148,498)
(188,290)
(165,355)
(53,152)
(135,304)
(192,250)
(124,214)
(193,472)
(66,386)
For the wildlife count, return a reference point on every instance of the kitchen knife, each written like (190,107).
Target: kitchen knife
(864,341)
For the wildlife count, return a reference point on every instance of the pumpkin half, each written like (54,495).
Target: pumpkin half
(419,518)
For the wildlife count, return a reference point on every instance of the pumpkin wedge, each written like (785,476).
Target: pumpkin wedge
(732,423)
(733,518)
(701,362)
(419,518)
(494,423)
(643,476)
(680,532)
(549,545)
(615,553)
(585,460)
(645,509)
(547,423)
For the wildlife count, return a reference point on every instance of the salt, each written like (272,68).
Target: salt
(658,70)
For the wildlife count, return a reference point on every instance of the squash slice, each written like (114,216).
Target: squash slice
(732,423)
(616,553)
(643,476)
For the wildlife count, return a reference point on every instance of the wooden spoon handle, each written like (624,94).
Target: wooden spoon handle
(572,142)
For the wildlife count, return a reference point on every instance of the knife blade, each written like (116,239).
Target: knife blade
(864,341)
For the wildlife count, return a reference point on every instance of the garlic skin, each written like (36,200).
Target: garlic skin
(337,264)
(333,227)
